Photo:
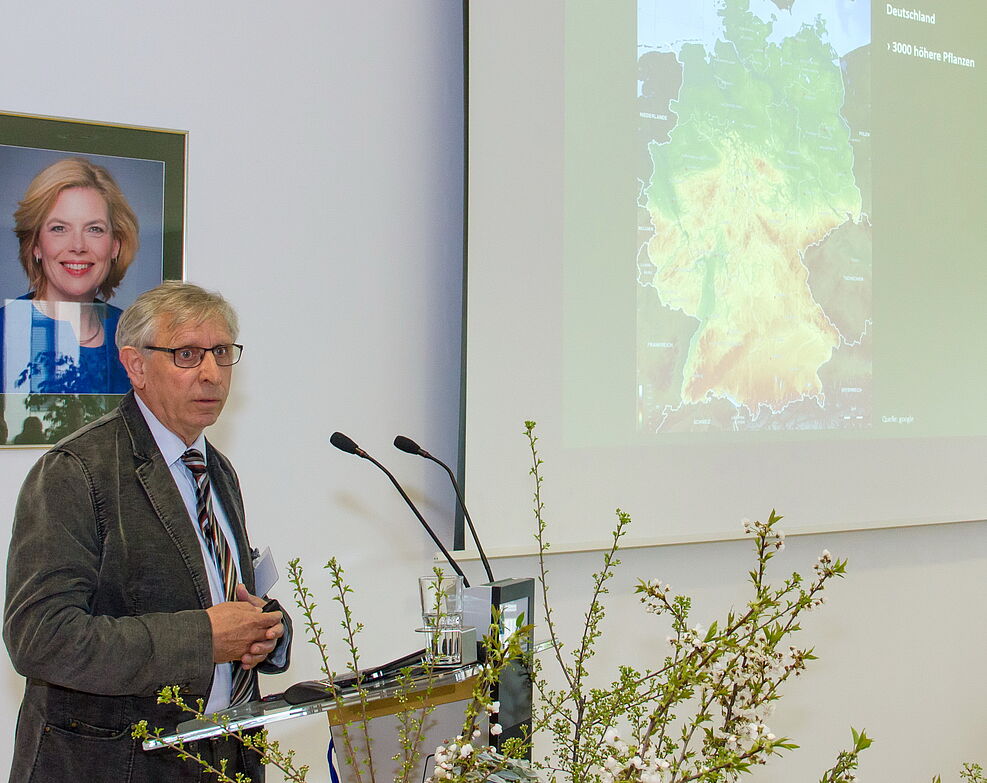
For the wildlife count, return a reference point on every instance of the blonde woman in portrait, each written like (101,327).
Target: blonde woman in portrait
(77,236)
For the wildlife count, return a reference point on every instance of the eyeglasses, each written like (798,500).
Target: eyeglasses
(192,355)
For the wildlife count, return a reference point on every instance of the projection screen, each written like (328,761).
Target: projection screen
(728,256)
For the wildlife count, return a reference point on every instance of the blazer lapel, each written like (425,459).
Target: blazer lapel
(156,479)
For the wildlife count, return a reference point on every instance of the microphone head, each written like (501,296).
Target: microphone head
(407,445)
(344,443)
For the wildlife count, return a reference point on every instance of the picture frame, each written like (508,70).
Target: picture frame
(58,364)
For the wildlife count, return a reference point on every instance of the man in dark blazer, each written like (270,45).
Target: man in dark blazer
(111,590)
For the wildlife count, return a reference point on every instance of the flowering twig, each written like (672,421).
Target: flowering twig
(268,750)
(351,629)
(700,715)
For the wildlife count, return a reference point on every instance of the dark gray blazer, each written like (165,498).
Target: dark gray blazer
(106,592)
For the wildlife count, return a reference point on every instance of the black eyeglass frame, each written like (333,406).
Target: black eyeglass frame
(202,354)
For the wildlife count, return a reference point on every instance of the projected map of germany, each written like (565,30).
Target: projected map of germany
(754,263)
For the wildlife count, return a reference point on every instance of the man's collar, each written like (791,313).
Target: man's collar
(171,446)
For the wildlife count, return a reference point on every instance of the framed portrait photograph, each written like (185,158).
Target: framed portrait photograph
(91,215)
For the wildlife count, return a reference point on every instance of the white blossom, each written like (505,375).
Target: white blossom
(496,729)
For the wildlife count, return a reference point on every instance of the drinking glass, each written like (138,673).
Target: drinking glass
(442,617)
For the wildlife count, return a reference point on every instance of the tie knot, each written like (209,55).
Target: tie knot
(194,461)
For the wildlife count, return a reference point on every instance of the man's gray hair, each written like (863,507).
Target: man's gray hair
(172,304)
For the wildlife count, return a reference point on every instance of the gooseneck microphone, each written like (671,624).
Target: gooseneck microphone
(344,443)
(409,446)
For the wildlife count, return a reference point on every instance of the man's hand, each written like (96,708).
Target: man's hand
(241,631)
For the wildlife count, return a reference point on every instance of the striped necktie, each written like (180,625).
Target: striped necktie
(219,548)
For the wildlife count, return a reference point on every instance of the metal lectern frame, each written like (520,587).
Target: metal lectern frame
(384,697)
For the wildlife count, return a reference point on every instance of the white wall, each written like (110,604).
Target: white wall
(900,640)
(324,182)
(324,199)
